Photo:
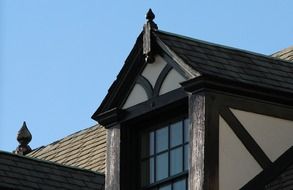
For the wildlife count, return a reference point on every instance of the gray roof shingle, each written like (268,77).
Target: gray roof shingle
(286,54)
(21,172)
(84,149)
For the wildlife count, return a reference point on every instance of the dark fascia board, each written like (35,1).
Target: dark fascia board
(272,172)
(115,116)
(206,82)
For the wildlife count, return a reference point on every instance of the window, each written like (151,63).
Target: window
(164,157)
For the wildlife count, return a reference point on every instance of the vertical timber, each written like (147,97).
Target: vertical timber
(113,159)
(197,141)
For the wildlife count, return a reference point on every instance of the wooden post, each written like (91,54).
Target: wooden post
(197,141)
(113,159)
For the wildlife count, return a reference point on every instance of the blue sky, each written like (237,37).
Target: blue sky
(59,57)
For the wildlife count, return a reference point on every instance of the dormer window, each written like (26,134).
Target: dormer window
(164,157)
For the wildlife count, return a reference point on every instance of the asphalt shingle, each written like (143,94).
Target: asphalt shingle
(77,149)
(21,172)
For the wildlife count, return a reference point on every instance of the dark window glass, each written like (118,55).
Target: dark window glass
(152,142)
(180,185)
(186,156)
(166,187)
(176,134)
(162,139)
(176,163)
(186,130)
(162,166)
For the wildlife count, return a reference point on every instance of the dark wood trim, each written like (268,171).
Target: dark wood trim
(257,106)
(207,82)
(109,118)
(161,79)
(155,105)
(146,86)
(212,143)
(250,144)
(175,60)
(272,172)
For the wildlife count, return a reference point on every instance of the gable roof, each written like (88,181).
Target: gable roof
(20,172)
(198,58)
(84,149)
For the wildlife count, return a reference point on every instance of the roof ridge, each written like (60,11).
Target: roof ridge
(223,46)
(50,162)
(59,140)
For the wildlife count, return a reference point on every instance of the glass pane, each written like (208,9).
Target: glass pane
(176,134)
(186,130)
(162,166)
(180,185)
(162,139)
(147,172)
(152,142)
(152,170)
(186,156)
(176,161)
(166,187)
(147,144)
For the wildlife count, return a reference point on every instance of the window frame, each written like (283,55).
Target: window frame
(152,127)
(131,128)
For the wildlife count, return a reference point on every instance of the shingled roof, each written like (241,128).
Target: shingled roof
(84,149)
(20,172)
(231,63)
(286,54)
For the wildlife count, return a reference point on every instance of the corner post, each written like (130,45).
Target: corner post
(112,181)
(197,129)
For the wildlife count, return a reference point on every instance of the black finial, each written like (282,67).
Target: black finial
(148,36)
(150,16)
(23,137)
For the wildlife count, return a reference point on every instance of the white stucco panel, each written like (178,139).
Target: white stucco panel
(274,135)
(137,95)
(236,164)
(171,82)
(152,70)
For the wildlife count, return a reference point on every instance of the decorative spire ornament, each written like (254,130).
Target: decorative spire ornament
(147,36)
(23,137)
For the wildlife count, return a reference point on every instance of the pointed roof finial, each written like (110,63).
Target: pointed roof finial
(24,137)
(148,36)
(150,16)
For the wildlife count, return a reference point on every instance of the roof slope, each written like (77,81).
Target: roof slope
(20,172)
(286,54)
(230,63)
(84,149)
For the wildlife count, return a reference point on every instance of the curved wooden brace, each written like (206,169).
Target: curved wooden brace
(161,79)
(146,85)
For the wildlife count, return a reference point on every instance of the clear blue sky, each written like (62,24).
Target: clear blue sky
(59,57)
